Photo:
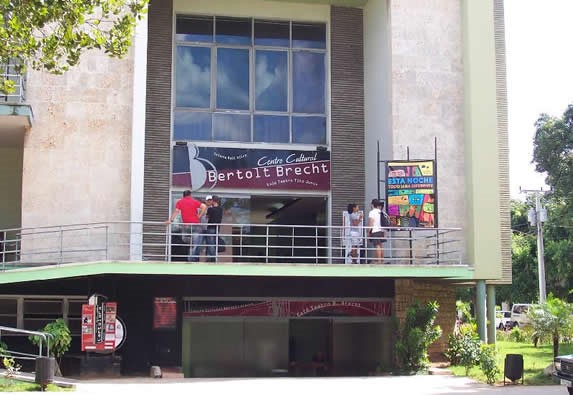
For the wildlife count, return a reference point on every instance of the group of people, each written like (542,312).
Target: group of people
(201,224)
(353,231)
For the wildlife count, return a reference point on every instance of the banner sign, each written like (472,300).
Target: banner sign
(198,168)
(284,309)
(411,193)
(99,326)
(164,313)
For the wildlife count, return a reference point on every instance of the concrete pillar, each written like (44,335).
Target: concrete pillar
(480,309)
(491,329)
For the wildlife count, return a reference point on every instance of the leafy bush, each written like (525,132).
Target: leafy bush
(464,347)
(517,335)
(487,362)
(60,339)
(417,333)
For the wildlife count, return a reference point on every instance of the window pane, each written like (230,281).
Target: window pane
(233,31)
(194,29)
(231,127)
(191,126)
(308,35)
(271,129)
(193,77)
(233,79)
(271,80)
(274,34)
(309,130)
(308,76)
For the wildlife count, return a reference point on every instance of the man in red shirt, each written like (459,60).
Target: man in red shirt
(191,211)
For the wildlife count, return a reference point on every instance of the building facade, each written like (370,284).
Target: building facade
(289,111)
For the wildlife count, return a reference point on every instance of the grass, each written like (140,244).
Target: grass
(24,386)
(534,361)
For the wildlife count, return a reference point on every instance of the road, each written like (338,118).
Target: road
(403,385)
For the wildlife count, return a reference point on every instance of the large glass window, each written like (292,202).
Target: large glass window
(250,80)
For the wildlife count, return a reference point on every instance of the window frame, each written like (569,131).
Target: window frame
(252,111)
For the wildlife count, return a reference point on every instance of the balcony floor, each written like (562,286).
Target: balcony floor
(457,272)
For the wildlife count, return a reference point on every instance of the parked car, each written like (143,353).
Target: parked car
(564,371)
(502,318)
(519,314)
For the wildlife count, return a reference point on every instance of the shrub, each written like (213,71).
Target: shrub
(517,335)
(417,333)
(487,362)
(464,350)
(59,337)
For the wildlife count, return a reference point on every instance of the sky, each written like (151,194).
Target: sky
(539,42)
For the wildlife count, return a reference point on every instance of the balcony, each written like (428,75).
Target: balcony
(249,249)
(15,115)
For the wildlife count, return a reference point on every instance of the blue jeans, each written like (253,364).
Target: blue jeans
(210,240)
(197,237)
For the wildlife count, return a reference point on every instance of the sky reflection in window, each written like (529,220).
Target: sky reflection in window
(233,79)
(193,77)
(271,80)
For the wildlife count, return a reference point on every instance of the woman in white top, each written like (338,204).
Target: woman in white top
(375,230)
(352,232)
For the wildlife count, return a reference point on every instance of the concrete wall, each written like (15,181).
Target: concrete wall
(10,187)
(77,154)
(377,92)
(428,94)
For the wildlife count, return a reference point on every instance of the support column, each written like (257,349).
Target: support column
(480,309)
(491,329)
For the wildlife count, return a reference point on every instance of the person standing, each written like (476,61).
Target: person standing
(353,232)
(376,232)
(191,211)
(203,236)
(214,216)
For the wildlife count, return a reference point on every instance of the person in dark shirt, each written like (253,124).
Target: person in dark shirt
(214,217)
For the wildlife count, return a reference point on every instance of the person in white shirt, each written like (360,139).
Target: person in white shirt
(376,232)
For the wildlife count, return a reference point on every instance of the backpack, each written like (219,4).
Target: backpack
(384,219)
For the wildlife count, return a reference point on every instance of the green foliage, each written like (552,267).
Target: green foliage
(11,370)
(554,318)
(464,346)
(552,146)
(52,35)
(60,337)
(417,334)
(516,335)
(487,362)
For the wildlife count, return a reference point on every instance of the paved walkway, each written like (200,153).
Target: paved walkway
(403,385)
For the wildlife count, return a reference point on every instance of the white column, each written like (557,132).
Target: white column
(138,139)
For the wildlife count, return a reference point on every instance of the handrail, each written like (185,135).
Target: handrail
(45,336)
(245,243)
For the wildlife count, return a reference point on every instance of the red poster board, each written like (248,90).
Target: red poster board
(98,326)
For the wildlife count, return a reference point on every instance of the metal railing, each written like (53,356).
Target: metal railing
(44,339)
(243,243)
(10,72)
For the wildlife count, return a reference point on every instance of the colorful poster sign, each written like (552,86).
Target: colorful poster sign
(99,322)
(411,193)
(198,168)
(287,308)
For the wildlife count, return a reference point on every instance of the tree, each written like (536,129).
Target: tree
(52,35)
(552,152)
(554,318)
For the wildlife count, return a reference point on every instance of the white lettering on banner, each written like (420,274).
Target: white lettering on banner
(268,172)
(292,158)
(263,161)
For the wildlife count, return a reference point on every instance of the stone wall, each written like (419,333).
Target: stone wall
(407,291)
(77,154)
(428,94)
